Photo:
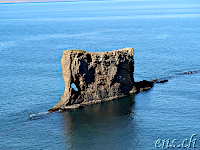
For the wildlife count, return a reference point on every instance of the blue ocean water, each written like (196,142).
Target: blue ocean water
(165,35)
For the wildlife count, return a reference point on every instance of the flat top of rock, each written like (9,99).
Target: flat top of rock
(128,49)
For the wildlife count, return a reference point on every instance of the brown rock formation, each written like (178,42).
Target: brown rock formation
(99,77)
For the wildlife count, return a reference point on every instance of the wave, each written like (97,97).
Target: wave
(39,115)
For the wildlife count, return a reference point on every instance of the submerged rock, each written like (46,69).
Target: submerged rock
(190,72)
(160,80)
(96,77)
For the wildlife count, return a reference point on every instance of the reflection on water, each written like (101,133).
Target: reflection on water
(108,124)
(167,111)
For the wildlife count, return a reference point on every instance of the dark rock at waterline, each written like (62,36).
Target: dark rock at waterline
(161,81)
(190,72)
(141,86)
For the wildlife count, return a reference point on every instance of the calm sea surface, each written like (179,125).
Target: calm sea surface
(166,37)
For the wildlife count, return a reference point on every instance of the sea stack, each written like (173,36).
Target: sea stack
(98,77)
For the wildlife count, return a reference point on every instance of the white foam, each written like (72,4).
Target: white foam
(38,114)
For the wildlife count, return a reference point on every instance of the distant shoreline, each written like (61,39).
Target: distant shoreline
(33,1)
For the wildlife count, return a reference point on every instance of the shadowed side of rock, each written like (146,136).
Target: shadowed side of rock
(98,77)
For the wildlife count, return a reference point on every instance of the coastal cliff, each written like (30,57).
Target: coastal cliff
(98,77)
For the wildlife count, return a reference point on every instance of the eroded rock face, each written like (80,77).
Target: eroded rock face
(99,77)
